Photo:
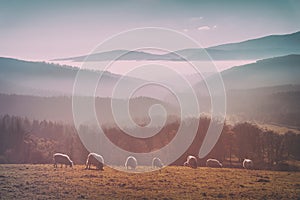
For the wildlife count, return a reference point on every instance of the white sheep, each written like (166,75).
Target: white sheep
(131,162)
(94,159)
(156,162)
(248,164)
(191,161)
(213,163)
(62,159)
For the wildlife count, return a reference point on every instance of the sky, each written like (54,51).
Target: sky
(45,30)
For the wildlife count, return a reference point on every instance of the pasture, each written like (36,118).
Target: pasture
(45,182)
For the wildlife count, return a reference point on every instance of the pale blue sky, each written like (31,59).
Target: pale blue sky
(43,30)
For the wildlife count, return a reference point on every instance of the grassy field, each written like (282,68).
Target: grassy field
(45,182)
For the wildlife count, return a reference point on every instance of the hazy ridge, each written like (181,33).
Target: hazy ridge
(253,49)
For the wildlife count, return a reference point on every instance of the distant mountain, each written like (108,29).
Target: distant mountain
(120,55)
(276,71)
(289,41)
(254,49)
(269,46)
(44,79)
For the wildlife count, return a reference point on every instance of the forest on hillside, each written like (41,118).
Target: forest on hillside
(31,141)
(267,105)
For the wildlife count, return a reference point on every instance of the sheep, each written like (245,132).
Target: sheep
(156,162)
(62,159)
(96,160)
(213,163)
(131,162)
(248,164)
(191,161)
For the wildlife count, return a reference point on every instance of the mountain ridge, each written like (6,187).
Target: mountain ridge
(257,48)
(282,70)
(54,79)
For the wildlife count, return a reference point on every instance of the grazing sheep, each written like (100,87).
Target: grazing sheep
(213,163)
(156,162)
(62,159)
(191,161)
(248,164)
(96,160)
(131,162)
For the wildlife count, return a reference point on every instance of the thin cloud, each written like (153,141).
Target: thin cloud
(195,19)
(203,28)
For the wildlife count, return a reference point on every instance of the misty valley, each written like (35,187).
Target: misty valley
(48,107)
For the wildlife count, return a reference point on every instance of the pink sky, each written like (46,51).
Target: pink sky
(42,30)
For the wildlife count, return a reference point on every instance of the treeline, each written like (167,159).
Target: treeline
(26,141)
(268,149)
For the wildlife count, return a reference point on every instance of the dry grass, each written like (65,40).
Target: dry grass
(279,129)
(44,182)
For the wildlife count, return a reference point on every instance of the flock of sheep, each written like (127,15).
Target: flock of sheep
(131,162)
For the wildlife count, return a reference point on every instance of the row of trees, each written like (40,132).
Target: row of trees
(265,147)
(25,141)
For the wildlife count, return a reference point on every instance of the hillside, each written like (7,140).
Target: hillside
(46,79)
(267,90)
(59,108)
(277,105)
(269,72)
